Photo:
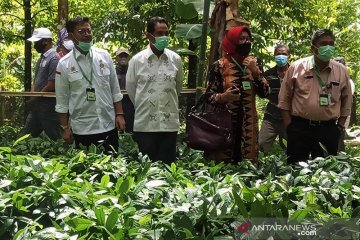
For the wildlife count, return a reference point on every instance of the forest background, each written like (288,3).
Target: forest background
(122,23)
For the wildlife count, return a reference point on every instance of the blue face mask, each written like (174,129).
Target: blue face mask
(281,60)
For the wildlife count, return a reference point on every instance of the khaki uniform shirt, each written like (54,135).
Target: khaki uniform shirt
(300,91)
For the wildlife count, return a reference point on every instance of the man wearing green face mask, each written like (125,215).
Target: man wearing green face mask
(88,96)
(153,82)
(315,99)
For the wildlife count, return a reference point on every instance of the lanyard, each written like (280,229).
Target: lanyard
(243,69)
(317,73)
(82,71)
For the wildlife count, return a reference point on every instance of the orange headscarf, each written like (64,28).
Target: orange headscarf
(230,40)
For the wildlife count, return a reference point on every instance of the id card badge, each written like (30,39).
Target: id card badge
(90,94)
(324,100)
(246,85)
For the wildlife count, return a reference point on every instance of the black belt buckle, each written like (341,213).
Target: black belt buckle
(314,123)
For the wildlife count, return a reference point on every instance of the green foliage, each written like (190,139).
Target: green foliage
(63,193)
(11,70)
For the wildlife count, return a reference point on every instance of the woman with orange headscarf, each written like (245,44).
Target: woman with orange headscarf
(234,80)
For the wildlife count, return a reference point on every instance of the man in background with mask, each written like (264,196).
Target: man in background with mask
(153,82)
(272,124)
(42,116)
(64,44)
(87,88)
(122,63)
(315,99)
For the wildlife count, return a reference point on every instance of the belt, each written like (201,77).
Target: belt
(313,123)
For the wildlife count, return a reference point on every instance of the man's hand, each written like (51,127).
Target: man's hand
(120,122)
(67,135)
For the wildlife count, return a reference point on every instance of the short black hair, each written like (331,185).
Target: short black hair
(71,24)
(150,27)
(282,46)
(321,33)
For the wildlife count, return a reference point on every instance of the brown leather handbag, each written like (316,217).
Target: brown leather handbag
(209,128)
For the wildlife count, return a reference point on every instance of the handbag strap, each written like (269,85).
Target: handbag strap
(201,103)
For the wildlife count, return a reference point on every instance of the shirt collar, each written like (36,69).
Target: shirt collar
(47,53)
(78,53)
(311,64)
(149,53)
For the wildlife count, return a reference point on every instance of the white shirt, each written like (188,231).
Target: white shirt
(87,117)
(153,85)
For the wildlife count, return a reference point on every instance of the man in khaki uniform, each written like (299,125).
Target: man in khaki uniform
(315,98)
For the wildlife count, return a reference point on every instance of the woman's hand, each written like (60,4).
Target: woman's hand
(230,95)
(250,63)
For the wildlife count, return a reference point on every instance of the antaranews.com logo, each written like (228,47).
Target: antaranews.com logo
(300,229)
(283,228)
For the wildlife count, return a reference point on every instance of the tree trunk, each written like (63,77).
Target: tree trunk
(192,67)
(63,10)
(27,50)
(224,17)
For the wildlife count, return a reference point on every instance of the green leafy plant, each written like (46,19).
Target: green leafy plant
(47,192)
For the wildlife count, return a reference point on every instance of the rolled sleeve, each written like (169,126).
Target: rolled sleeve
(179,76)
(286,90)
(52,67)
(131,81)
(62,91)
(346,98)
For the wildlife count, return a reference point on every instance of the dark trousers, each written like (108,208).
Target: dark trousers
(129,111)
(157,145)
(269,130)
(305,136)
(42,119)
(109,140)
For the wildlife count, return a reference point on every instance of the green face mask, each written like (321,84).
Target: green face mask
(325,53)
(85,46)
(161,42)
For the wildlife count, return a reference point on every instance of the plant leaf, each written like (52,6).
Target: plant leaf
(112,219)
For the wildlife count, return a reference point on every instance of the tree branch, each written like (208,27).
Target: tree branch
(34,2)
(12,15)
(36,13)
(20,4)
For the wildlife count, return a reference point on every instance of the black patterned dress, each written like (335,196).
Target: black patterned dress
(223,75)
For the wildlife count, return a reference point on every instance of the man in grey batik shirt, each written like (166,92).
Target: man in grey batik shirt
(153,82)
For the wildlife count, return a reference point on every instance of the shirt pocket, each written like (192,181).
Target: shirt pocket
(303,86)
(75,78)
(103,75)
(335,93)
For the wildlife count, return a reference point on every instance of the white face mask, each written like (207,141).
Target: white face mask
(68,44)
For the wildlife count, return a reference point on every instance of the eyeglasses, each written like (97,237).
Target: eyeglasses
(82,32)
(245,39)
